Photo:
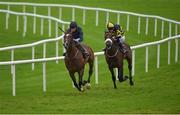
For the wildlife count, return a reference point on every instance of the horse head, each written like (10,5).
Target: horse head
(68,40)
(109,39)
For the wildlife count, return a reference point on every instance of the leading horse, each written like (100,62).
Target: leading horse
(75,62)
(114,58)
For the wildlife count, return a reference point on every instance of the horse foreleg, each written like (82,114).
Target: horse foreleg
(130,74)
(90,71)
(74,81)
(113,77)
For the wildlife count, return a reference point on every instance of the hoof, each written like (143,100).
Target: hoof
(131,83)
(82,89)
(121,80)
(125,78)
(88,86)
(84,83)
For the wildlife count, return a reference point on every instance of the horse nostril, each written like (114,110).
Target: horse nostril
(108,44)
(65,45)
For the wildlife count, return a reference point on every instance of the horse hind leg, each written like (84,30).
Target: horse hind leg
(87,83)
(129,60)
(74,81)
(113,77)
(130,75)
(91,64)
(81,73)
(120,75)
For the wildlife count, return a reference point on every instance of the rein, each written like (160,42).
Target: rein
(112,55)
(76,53)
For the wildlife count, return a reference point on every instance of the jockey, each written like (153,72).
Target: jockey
(119,35)
(77,34)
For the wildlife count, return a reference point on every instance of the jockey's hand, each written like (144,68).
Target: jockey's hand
(119,37)
(77,40)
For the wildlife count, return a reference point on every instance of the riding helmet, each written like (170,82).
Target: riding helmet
(110,25)
(116,27)
(73,24)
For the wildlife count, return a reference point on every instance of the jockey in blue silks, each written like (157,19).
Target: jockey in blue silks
(77,34)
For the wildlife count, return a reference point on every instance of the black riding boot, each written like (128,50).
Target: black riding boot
(123,49)
(64,54)
(83,50)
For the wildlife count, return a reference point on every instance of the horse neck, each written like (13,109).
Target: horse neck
(71,51)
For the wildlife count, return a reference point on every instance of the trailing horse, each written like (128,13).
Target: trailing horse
(75,62)
(114,58)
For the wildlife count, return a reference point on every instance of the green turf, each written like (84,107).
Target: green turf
(154,92)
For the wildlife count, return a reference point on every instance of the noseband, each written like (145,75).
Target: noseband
(109,40)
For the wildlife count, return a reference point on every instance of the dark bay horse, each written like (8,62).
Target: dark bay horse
(114,58)
(75,62)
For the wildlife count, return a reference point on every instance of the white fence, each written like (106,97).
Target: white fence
(107,11)
(57,21)
(13,63)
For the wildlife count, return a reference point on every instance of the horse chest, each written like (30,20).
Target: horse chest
(74,64)
(113,62)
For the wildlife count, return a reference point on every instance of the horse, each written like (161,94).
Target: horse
(75,62)
(114,58)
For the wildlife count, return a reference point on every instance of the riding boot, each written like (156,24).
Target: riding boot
(64,54)
(123,49)
(83,50)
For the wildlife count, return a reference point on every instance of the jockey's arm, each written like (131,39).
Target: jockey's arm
(79,36)
(120,36)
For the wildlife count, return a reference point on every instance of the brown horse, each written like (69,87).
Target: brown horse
(114,58)
(75,62)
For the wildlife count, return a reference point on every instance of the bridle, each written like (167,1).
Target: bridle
(109,39)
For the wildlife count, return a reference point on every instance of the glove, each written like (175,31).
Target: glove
(77,40)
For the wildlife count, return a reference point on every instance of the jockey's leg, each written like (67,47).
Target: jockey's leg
(82,49)
(122,46)
(64,54)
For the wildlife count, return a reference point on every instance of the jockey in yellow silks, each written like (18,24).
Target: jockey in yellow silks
(118,32)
